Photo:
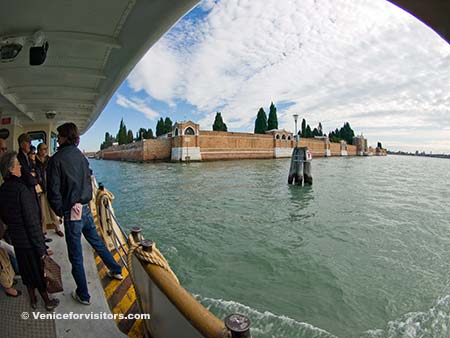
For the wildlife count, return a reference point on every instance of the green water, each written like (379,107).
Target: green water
(364,252)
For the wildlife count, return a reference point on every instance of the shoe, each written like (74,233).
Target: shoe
(18,293)
(52,305)
(48,240)
(60,233)
(117,276)
(79,300)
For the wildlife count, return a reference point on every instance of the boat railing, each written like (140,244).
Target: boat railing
(174,312)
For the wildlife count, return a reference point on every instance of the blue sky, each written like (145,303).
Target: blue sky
(365,62)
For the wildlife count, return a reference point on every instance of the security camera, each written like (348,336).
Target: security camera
(10,47)
(50,115)
(9,51)
(38,54)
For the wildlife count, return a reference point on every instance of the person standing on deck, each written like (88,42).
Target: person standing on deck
(69,190)
(28,176)
(19,209)
(48,215)
(3,149)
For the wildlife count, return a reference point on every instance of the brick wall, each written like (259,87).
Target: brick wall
(351,150)
(216,145)
(146,150)
(316,146)
(335,149)
(157,149)
(125,152)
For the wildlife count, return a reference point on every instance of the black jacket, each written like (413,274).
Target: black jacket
(41,168)
(25,170)
(19,209)
(68,179)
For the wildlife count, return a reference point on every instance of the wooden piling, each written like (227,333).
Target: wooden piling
(300,170)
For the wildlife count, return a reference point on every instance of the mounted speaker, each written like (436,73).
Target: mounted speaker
(38,55)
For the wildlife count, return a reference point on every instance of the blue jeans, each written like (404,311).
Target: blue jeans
(74,229)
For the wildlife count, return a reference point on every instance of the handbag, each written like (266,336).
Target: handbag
(52,274)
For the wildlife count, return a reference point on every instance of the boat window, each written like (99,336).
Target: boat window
(37,137)
(4,133)
(189,131)
(53,143)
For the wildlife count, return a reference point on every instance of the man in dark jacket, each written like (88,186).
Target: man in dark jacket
(69,191)
(28,176)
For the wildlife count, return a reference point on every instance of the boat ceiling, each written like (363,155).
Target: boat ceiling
(93,46)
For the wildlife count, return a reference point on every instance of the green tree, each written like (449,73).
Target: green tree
(303,130)
(148,134)
(272,122)
(160,127)
(108,142)
(218,124)
(167,125)
(122,134)
(130,137)
(319,129)
(315,132)
(261,122)
(308,133)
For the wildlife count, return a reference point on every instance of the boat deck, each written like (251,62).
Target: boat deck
(11,309)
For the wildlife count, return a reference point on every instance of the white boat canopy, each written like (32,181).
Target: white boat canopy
(92,46)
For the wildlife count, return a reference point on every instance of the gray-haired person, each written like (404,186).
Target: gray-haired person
(19,209)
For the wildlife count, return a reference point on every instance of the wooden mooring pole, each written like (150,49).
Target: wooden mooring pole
(300,170)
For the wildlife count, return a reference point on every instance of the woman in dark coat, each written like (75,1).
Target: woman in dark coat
(19,209)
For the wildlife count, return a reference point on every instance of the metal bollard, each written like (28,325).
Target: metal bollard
(136,233)
(147,245)
(239,325)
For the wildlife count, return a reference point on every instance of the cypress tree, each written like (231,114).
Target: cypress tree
(167,125)
(308,132)
(272,122)
(303,130)
(319,129)
(149,134)
(218,124)
(122,134)
(160,127)
(130,136)
(261,122)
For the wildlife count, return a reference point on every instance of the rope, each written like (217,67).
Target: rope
(154,257)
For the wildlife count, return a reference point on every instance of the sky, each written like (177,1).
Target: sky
(365,62)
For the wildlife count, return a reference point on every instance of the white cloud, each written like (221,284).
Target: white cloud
(366,62)
(138,105)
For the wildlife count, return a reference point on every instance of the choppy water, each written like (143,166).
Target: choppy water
(364,252)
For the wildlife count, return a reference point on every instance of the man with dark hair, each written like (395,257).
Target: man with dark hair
(28,176)
(69,191)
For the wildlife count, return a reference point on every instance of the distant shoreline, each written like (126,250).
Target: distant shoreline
(402,153)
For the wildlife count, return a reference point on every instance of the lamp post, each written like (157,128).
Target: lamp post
(296,134)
